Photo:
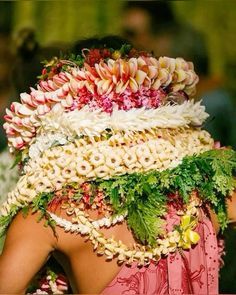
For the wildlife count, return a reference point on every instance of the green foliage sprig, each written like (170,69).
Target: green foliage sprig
(6,220)
(144,195)
(39,204)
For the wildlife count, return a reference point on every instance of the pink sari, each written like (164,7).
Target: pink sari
(193,271)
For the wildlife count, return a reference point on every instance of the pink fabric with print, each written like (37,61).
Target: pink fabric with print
(185,272)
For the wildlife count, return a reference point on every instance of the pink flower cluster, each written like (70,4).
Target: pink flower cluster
(57,286)
(94,199)
(124,84)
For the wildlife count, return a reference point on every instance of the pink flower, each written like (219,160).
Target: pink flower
(141,81)
(86,198)
(62,284)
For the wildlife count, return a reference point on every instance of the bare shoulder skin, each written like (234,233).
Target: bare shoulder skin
(27,247)
(29,244)
(231,206)
(91,273)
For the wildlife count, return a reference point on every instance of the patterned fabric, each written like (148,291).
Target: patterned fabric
(185,272)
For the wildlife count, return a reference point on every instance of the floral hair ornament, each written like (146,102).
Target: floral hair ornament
(104,82)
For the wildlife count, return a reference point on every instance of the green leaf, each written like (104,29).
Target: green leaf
(18,159)
(144,195)
(115,198)
(125,49)
(25,211)
(144,219)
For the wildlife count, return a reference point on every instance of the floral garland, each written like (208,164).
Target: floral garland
(50,283)
(59,126)
(8,179)
(49,137)
(80,161)
(112,83)
(186,178)
(210,174)
(183,237)
(116,132)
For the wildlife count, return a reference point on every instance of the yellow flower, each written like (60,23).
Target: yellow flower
(188,236)
(116,54)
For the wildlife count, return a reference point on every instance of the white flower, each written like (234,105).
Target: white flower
(38,291)
(85,122)
(44,142)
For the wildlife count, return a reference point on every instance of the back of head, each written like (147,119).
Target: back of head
(109,41)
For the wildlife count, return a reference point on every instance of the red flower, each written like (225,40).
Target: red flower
(86,198)
(96,55)
(106,53)
(93,57)
(44,71)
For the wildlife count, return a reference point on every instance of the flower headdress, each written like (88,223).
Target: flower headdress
(103,81)
(117,130)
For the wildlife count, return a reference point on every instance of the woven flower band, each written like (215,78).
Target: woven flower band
(121,84)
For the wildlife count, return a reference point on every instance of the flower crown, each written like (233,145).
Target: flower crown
(101,88)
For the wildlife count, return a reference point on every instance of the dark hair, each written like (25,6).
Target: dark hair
(109,41)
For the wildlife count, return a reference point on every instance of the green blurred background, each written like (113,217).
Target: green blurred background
(67,21)
(59,24)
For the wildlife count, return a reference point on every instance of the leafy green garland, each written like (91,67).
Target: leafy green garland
(144,195)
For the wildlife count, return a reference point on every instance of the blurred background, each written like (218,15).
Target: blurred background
(200,31)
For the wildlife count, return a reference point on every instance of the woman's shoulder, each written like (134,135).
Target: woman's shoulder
(31,225)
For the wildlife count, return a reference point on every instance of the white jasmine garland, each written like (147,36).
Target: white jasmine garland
(8,179)
(84,122)
(75,227)
(140,254)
